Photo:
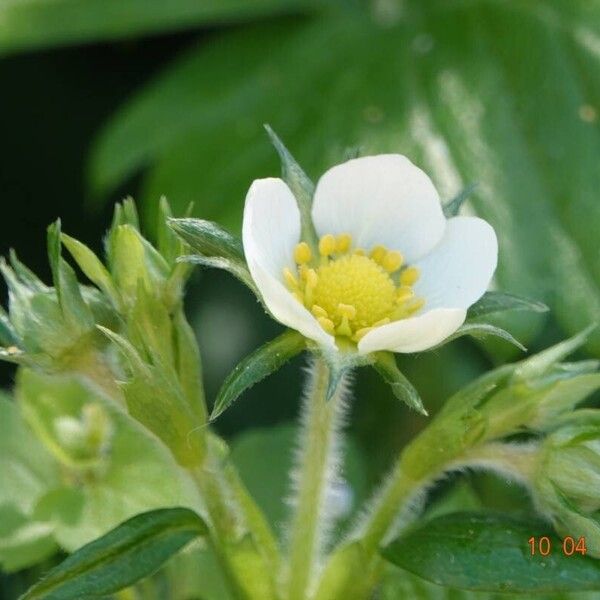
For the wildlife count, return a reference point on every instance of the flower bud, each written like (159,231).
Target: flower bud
(566,483)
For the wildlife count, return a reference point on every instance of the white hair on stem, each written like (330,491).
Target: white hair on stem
(324,418)
(513,461)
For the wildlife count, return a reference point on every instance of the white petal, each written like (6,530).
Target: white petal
(381,199)
(414,334)
(458,271)
(270,232)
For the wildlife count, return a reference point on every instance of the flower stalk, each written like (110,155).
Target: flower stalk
(316,469)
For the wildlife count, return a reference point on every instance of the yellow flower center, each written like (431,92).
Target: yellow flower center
(350,292)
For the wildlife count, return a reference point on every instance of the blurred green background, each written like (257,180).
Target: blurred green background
(105,98)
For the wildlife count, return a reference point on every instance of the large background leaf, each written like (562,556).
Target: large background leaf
(499,93)
(26,24)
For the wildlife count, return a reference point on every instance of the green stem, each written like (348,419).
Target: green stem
(388,507)
(309,523)
(240,535)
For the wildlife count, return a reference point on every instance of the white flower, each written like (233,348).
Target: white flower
(390,272)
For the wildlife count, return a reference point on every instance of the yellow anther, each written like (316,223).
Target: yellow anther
(378,254)
(392,261)
(381,322)
(404,293)
(343,242)
(346,310)
(311,278)
(361,333)
(326,324)
(327,245)
(351,291)
(290,279)
(408,308)
(415,305)
(319,311)
(409,276)
(302,253)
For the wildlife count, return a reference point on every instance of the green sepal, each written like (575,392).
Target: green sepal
(541,362)
(208,238)
(467,550)
(302,188)
(155,399)
(128,553)
(236,268)
(385,364)
(74,309)
(92,267)
(494,302)
(8,335)
(255,367)
(480,330)
(134,259)
(26,275)
(452,207)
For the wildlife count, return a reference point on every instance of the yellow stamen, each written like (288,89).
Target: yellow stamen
(327,245)
(349,291)
(343,243)
(361,333)
(392,261)
(311,278)
(382,322)
(415,305)
(290,279)
(409,276)
(378,254)
(404,293)
(346,310)
(344,327)
(326,324)
(319,311)
(302,253)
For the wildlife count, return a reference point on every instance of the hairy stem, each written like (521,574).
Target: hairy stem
(240,535)
(317,463)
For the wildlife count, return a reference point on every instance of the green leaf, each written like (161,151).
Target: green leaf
(208,238)
(480,330)
(257,366)
(23,543)
(490,552)
(27,471)
(130,472)
(385,365)
(36,24)
(132,551)
(452,208)
(501,93)
(495,302)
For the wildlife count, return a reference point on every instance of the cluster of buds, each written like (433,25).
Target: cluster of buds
(127,333)
(566,480)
